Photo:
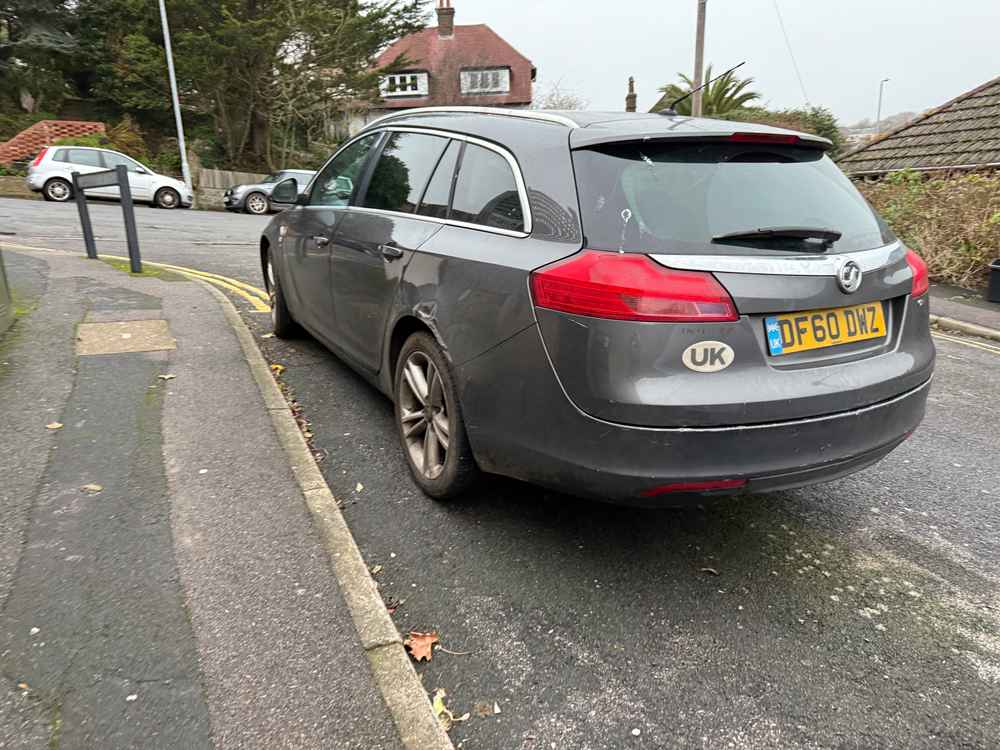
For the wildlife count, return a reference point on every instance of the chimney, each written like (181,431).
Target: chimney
(446,19)
(630,97)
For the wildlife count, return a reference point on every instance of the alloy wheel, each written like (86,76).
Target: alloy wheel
(57,190)
(272,285)
(168,199)
(423,414)
(256,203)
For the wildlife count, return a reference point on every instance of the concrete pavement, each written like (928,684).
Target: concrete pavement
(163,584)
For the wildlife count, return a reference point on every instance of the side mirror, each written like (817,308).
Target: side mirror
(141,170)
(286,191)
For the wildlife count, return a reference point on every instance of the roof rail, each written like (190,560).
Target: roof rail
(527,114)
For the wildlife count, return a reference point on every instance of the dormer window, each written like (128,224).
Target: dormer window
(486,81)
(403,84)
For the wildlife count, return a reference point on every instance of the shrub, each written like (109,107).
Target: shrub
(92,140)
(952,221)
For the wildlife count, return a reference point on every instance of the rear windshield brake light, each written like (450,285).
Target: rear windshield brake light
(630,286)
(764,138)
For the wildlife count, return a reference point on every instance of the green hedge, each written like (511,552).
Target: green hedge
(953,222)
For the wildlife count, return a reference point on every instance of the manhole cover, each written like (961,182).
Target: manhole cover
(122,337)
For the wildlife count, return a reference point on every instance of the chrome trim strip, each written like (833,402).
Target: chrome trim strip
(434,220)
(526,114)
(786,265)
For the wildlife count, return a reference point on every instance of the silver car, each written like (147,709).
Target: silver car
(256,198)
(51,174)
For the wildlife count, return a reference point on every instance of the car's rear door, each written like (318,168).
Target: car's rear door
(310,231)
(378,237)
(87,161)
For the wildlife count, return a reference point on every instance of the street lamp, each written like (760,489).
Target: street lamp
(699,52)
(878,115)
(173,95)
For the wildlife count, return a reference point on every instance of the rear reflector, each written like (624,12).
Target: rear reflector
(630,286)
(921,282)
(706,486)
(763,138)
(41,155)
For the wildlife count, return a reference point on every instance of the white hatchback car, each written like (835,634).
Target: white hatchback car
(51,174)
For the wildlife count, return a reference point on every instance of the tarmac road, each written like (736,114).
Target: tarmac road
(860,614)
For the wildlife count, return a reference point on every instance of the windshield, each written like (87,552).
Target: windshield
(655,197)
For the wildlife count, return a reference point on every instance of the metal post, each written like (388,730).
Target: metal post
(128,211)
(81,206)
(173,95)
(699,55)
(878,114)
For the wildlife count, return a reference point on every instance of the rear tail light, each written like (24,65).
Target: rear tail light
(921,282)
(41,155)
(706,486)
(629,286)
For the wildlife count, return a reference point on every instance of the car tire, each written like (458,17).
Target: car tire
(429,420)
(57,190)
(282,322)
(257,204)
(167,198)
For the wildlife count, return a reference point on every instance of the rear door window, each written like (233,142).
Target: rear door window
(402,171)
(112,160)
(438,193)
(85,158)
(678,197)
(486,192)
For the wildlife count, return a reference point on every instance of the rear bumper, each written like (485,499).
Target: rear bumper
(523,425)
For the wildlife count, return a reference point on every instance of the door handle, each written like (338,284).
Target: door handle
(390,252)
(320,240)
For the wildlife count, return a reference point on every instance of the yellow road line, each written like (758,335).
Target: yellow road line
(974,344)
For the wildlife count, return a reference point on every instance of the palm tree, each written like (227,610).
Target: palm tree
(719,99)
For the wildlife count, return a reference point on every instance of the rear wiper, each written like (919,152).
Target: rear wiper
(827,236)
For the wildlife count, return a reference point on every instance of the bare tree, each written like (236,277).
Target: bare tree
(556,97)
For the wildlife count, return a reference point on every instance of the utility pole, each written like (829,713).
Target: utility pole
(878,113)
(699,55)
(173,94)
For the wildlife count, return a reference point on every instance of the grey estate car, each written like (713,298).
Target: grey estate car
(256,198)
(638,308)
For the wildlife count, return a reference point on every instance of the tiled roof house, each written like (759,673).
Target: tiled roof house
(454,65)
(962,134)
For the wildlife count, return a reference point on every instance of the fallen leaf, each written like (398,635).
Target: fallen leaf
(91,489)
(268,336)
(420,645)
(23,686)
(376,570)
(713,571)
(482,709)
(277,369)
(131,698)
(54,425)
(358,487)
(166,377)
(446,717)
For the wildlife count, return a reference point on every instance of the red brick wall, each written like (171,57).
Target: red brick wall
(29,142)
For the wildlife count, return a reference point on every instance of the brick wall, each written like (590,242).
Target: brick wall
(29,142)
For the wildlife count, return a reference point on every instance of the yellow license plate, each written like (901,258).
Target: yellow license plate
(816,329)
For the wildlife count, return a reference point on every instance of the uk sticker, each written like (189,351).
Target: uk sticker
(708,356)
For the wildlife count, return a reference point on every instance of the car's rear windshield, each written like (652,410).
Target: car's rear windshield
(677,197)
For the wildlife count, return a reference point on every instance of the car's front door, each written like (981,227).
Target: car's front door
(310,232)
(140,179)
(378,237)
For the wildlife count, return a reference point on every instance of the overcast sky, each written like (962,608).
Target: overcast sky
(932,50)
